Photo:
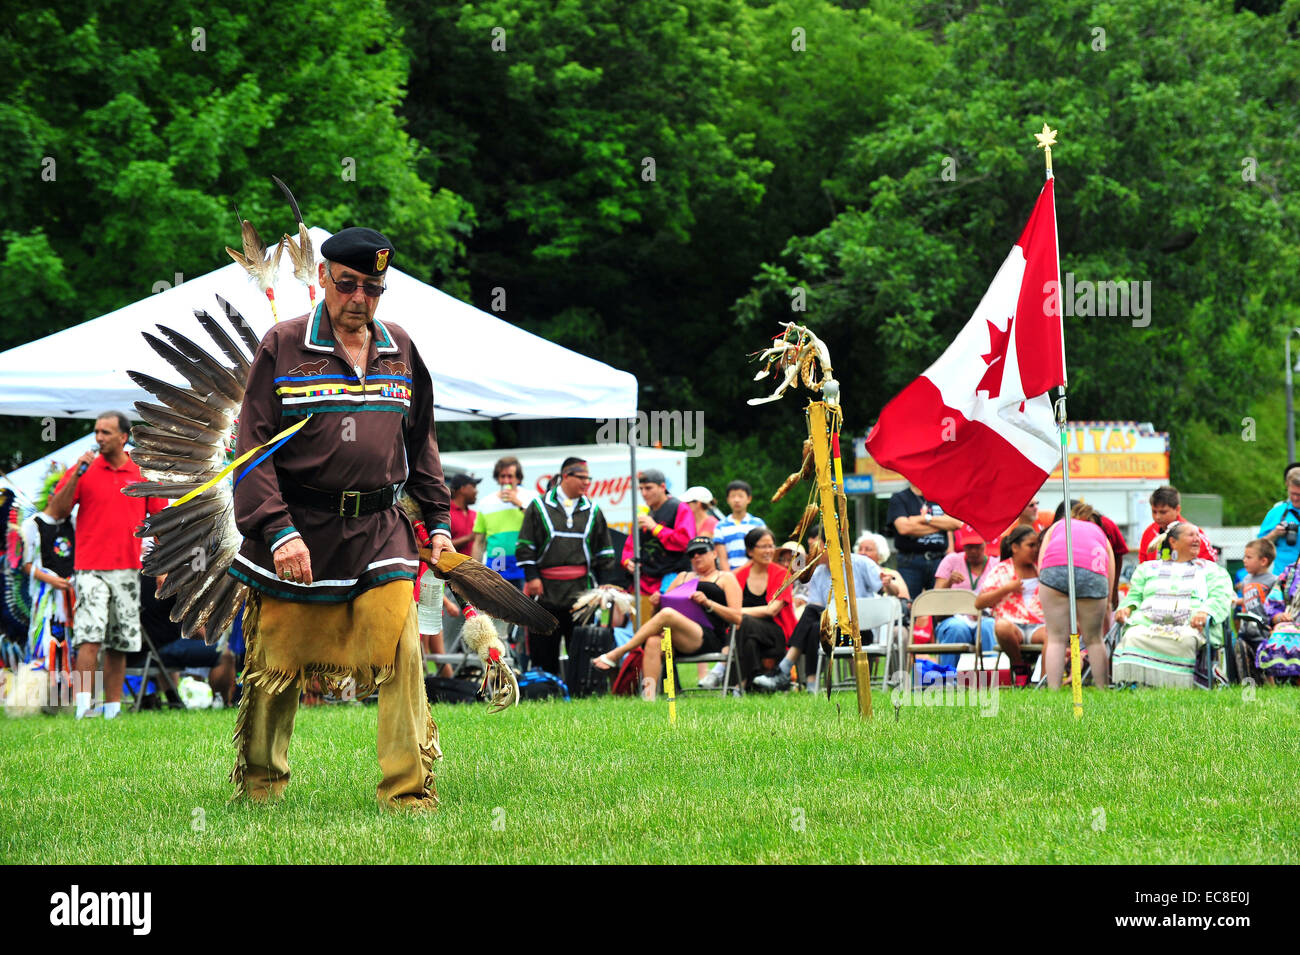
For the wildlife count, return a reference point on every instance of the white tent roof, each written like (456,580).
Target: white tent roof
(482,367)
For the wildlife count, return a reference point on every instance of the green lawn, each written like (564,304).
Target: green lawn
(1154,776)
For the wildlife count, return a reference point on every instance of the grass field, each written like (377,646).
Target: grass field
(1149,777)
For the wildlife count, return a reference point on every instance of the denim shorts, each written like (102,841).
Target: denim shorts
(1088,584)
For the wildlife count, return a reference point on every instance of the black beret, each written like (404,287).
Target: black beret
(361,250)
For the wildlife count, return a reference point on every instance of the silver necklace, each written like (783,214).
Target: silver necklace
(356,363)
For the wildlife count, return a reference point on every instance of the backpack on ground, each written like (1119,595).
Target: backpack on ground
(628,681)
(442,689)
(540,685)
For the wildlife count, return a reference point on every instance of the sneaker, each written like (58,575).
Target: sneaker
(772,682)
(711,680)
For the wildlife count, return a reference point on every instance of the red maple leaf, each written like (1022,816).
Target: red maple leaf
(996,358)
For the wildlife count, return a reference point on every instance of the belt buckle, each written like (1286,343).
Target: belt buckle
(343,504)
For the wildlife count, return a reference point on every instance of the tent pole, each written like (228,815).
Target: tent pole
(636,536)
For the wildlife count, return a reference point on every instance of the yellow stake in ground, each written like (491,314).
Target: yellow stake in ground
(670,685)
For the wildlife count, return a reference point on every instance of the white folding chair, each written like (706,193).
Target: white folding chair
(881,618)
(719,657)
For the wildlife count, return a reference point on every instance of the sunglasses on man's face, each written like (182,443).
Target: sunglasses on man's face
(580,477)
(349,287)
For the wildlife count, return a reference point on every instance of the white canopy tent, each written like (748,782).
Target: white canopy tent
(482,367)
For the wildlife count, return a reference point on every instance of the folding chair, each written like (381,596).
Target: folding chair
(880,617)
(151,663)
(726,658)
(945,603)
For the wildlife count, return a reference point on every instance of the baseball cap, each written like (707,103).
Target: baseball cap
(458,481)
(968,535)
(699,545)
(697,493)
(651,476)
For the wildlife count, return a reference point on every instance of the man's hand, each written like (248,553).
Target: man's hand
(646,522)
(438,544)
(293,561)
(510,495)
(85,459)
(58,583)
(533,588)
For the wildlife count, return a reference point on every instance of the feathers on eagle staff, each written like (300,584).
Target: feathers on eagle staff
(809,515)
(489,591)
(806,472)
(169,519)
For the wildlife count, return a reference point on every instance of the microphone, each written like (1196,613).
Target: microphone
(82,470)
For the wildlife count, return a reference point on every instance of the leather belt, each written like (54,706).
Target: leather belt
(923,555)
(340,503)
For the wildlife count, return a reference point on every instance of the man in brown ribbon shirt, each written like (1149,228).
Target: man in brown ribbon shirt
(330,557)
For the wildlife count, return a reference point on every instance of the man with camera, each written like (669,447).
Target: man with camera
(1166,507)
(1282,522)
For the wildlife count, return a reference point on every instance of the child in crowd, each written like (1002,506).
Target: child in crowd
(1259,578)
(729,535)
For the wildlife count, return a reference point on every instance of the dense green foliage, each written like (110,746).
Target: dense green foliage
(1172,777)
(652,182)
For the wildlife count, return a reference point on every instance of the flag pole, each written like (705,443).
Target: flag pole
(1046,139)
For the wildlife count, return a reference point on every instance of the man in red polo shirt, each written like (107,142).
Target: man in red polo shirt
(464,492)
(107,559)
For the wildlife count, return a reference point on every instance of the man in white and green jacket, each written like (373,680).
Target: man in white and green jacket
(562,542)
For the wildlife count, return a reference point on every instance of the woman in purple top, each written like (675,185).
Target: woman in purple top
(1094,575)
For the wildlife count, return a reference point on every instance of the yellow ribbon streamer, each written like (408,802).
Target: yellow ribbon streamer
(237,462)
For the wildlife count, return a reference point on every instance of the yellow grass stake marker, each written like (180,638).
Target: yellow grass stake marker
(670,685)
(1076,679)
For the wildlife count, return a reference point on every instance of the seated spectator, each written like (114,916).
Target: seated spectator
(965,570)
(1011,589)
(665,530)
(183,653)
(766,621)
(1281,525)
(718,596)
(1169,604)
(1278,653)
(1093,570)
(876,548)
(806,636)
(1166,507)
(700,500)
(729,534)
(792,556)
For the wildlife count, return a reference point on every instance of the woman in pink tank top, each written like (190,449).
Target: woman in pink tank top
(1094,575)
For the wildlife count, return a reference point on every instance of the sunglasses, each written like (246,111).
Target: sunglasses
(349,287)
(580,477)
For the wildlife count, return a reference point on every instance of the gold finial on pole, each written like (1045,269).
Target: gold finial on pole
(1046,140)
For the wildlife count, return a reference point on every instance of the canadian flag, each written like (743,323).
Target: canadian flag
(976,432)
